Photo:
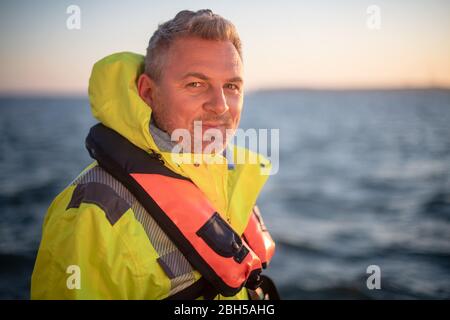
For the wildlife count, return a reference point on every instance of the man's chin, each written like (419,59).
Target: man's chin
(209,148)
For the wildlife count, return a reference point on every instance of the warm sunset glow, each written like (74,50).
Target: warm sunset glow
(317,44)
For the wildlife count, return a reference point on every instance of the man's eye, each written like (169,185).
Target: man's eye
(194,85)
(232,86)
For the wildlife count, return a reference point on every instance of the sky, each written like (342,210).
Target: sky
(287,44)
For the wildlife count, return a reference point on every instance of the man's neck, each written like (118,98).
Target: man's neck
(161,138)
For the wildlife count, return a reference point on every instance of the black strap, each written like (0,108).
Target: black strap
(128,157)
(200,288)
(268,287)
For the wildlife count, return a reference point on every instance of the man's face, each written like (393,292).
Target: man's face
(201,81)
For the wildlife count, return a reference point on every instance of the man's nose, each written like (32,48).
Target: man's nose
(217,102)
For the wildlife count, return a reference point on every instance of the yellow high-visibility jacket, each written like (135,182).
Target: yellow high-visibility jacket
(83,253)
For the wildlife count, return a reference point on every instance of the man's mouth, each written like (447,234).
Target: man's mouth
(207,126)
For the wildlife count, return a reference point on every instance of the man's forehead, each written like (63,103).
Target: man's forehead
(211,58)
(207,77)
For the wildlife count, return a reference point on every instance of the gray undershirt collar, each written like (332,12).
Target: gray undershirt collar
(161,138)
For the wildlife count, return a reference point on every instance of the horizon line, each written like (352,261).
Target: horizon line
(83,94)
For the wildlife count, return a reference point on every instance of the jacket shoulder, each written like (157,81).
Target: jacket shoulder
(91,224)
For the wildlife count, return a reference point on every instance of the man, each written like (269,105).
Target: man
(123,229)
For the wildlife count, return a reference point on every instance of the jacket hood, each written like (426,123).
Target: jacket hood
(115,101)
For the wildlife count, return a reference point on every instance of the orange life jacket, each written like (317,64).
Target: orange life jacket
(226,261)
(259,239)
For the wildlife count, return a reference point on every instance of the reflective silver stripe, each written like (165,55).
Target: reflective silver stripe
(176,266)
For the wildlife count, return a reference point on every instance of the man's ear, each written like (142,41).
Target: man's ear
(146,88)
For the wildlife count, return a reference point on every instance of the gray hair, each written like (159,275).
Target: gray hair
(203,24)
